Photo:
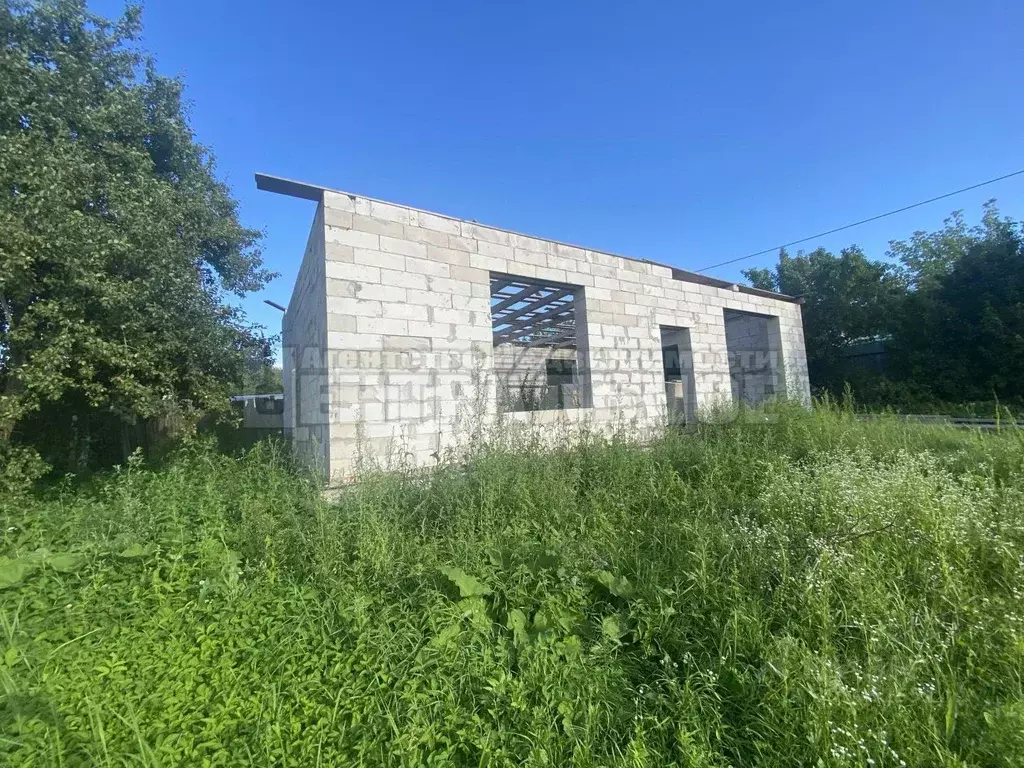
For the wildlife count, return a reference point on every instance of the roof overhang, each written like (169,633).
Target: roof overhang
(282,186)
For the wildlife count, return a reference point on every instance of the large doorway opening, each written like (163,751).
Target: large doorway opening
(755,364)
(677,358)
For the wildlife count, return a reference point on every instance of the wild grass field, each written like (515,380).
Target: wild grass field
(796,589)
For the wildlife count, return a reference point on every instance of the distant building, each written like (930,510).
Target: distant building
(262,412)
(867,353)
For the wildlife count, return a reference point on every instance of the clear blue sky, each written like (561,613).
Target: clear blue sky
(687,133)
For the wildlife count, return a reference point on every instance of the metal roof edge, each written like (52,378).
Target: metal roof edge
(289,187)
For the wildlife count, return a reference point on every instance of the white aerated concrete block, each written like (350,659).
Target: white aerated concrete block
(389,343)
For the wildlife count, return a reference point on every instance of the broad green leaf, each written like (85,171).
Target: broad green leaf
(468,585)
(516,619)
(65,562)
(541,622)
(446,635)
(950,712)
(13,572)
(517,622)
(617,585)
(134,551)
(500,558)
(612,628)
(571,647)
(568,619)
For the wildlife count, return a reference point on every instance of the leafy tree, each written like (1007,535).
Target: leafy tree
(949,304)
(962,328)
(928,257)
(261,378)
(847,298)
(119,247)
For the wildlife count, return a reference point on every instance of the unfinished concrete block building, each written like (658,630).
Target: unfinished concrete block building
(407,330)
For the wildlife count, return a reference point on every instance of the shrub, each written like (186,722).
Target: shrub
(20,468)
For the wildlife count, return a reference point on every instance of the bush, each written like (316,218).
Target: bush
(20,468)
(788,589)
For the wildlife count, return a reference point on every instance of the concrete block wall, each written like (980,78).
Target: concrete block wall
(304,349)
(410,358)
(409,334)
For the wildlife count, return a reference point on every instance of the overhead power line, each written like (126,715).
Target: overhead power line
(864,221)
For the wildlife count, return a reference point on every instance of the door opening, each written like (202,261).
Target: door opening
(677,357)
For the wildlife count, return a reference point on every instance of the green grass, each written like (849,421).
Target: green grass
(801,589)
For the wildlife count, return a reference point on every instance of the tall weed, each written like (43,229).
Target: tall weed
(790,588)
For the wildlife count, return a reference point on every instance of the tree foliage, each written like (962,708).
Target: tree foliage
(962,327)
(949,306)
(120,250)
(848,298)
